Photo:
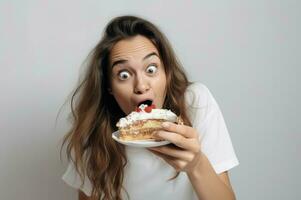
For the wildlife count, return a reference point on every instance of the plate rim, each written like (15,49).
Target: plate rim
(140,143)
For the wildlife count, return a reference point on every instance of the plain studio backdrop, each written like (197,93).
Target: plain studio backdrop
(246,52)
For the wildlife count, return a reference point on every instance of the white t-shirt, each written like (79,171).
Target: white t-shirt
(146,174)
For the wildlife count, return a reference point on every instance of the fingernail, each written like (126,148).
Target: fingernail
(165,124)
(157,135)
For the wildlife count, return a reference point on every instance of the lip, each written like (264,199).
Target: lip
(138,101)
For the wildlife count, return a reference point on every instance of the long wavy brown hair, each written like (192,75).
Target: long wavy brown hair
(95,112)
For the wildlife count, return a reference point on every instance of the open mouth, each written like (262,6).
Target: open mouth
(147,102)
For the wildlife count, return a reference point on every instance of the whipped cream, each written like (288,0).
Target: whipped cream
(142,115)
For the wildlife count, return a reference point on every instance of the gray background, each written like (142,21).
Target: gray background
(246,52)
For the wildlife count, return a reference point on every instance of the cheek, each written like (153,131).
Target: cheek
(121,94)
(162,82)
(160,87)
(118,88)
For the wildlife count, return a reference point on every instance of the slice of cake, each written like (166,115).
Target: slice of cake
(141,123)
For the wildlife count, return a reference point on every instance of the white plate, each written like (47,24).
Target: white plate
(139,143)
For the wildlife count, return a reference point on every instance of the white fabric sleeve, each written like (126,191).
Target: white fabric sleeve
(72,178)
(214,137)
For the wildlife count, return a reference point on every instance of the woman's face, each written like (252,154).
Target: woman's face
(137,73)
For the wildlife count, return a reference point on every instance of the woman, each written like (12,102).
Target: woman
(132,62)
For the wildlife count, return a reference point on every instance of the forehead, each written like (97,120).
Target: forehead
(135,47)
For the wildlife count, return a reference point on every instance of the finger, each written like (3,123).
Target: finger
(191,144)
(175,152)
(183,130)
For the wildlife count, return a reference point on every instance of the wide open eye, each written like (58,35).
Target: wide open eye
(152,69)
(123,75)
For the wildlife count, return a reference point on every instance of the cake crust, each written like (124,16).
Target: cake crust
(141,130)
(144,122)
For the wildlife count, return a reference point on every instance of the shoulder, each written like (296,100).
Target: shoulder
(198,95)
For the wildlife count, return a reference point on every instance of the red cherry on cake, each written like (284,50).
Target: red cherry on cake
(153,106)
(148,109)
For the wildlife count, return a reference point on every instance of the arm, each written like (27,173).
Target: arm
(185,155)
(209,185)
(83,196)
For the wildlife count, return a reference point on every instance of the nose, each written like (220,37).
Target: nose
(141,85)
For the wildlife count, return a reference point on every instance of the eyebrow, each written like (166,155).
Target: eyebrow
(122,61)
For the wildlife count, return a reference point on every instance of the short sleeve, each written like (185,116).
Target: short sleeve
(72,178)
(207,118)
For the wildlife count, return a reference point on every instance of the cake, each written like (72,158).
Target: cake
(141,123)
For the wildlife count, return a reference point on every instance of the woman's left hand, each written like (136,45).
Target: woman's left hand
(184,154)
